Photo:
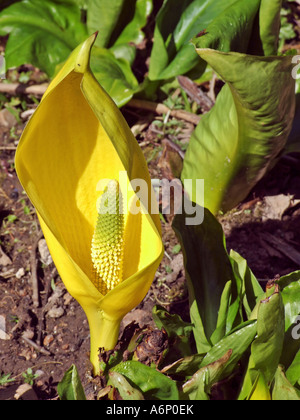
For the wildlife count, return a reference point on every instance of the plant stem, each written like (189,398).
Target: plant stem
(104,334)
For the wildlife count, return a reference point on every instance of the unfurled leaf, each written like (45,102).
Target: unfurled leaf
(241,138)
(153,384)
(70,388)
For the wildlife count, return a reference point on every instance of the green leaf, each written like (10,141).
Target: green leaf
(293,372)
(290,292)
(115,75)
(267,347)
(185,366)
(126,391)
(172,323)
(283,390)
(70,388)
(153,384)
(237,22)
(118,21)
(240,139)
(251,289)
(137,19)
(179,332)
(269,25)
(199,386)
(41,33)
(208,271)
(172,53)
(293,142)
(223,313)
(238,341)
(102,16)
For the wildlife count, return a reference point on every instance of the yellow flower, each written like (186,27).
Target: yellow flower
(70,155)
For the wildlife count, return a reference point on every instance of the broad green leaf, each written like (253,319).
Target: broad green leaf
(153,384)
(132,32)
(41,33)
(118,21)
(240,139)
(102,16)
(251,289)
(199,386)
(236,22)
(126,391)
(115,75)
(283,390)
(208,270)
(238,341)
(70,388)
(172,53)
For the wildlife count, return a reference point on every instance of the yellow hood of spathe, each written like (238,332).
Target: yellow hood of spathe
(76,137)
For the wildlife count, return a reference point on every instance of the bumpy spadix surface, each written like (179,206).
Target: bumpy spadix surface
(108,240)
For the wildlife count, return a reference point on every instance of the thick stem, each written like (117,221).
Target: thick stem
(104,334)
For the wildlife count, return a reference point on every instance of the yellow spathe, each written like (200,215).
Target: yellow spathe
(76,138)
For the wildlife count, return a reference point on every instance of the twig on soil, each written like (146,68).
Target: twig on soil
(195,93)
(40,349)
(8,148)
(33,265)
(283,247)
(20,89)
(162,109)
